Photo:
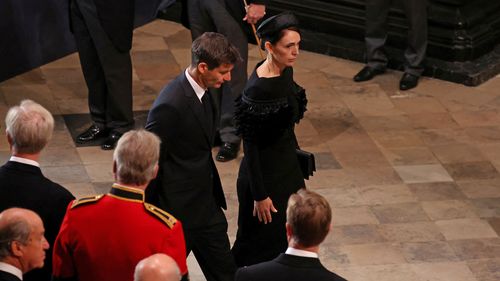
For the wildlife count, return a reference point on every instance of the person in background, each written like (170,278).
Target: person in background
(231,19)
(22,243)
(308,223)
(29,128)
(376,36)
(104,237)
(269,173)
(103,34)
(158,267)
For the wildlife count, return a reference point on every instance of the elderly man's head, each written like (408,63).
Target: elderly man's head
(158,267)
(136,157)
(29,127)
(22,240)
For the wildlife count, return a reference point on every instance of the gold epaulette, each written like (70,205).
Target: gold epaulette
(86,200)
(165,217)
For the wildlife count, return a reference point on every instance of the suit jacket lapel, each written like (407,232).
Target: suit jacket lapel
(197,108)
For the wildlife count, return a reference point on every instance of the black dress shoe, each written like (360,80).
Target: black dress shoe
(92,133)
(111,141)
(408,81)
(228,151)
(367,73)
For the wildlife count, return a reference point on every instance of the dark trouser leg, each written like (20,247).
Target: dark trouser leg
(416,14)
(212,15)
(210,246)
(376,32)
(116,68)
(91,67)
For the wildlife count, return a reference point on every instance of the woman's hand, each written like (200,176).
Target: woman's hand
(263,210)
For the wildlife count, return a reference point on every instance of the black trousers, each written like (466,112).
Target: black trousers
(212,15)
(376,34)
(107,71)
(210,246)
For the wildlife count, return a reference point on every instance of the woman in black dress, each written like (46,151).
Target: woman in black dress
(269,173)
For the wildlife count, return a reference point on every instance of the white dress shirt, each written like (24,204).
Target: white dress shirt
(5,267)
(300,253)
(24,161)
(198,90)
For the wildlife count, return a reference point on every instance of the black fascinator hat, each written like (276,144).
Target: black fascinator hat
(270,28)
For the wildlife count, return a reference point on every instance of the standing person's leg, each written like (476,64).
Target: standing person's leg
(212,15)
(210,246)
(117,69)
(227,25)
(375,39)
(416,14)
(93,73)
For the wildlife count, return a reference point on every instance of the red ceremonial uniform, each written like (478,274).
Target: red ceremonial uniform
(104,237)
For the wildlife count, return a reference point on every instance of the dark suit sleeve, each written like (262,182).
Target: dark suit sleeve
(255,176)
(163,120)
(262,2)
(241,275)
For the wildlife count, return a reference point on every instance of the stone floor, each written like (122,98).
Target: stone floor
(413,177)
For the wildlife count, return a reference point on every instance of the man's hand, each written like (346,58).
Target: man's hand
(254,13)
(262,209)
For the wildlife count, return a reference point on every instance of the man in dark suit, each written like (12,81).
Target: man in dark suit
(376,35)
(22,184)
(188,184)
(103,33)
(308,222)
(22,243)
(104,237)
(230,18)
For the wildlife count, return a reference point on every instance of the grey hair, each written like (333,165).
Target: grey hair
(136,156)
(13,230)
(30,126)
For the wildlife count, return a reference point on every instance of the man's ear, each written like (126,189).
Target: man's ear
(155,172)
(289,231)
(16,248)
(114,170)
(202,67)
(9,138)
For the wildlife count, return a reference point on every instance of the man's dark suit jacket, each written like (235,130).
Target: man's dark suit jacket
(5,276)
(117,19)
(289,268)
(24,186)
(188,184)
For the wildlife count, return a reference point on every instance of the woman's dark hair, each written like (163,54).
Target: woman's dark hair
(273,29)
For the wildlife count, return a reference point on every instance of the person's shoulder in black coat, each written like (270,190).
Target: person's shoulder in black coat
(24,186)
(289,268)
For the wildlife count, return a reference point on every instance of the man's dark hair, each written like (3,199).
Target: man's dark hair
(213,49)
(309,216)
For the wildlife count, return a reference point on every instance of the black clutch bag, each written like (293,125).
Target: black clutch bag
(306,162)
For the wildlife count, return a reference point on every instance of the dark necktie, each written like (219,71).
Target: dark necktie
(207,107)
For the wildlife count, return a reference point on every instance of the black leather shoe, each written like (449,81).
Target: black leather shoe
(92,133)
(111,141)
(367,73)
(408,81)
(228,151)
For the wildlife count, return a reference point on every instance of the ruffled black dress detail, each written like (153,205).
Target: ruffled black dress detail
(266,114)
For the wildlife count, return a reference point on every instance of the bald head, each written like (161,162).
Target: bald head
(158,267)
(22,241)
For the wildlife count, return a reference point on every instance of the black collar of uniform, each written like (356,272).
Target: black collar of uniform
(126,192)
